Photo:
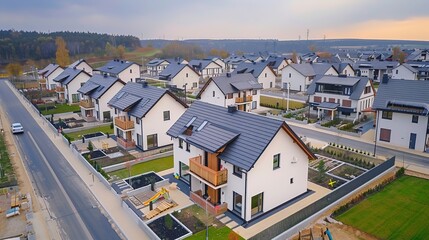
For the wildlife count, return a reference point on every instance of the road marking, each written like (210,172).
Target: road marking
(80,221)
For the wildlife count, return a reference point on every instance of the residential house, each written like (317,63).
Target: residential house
(241,90)
(418,55)
(68,82)
(232,62)
(180,75)
(277,64)
(299,76)
(83,65)
(341,96)
(230,160)
(402,114)
(422,68)
(374,69)
(344,69)
(48,74)
(95,95)
(156,66)
(405,71)
(125,70)
(143,114)
(206,68)
(261,71)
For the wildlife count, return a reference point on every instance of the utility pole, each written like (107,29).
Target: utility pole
(308,33)
(288,90)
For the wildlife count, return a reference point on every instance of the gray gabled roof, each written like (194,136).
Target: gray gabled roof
(49,69)
(411,93)
(172,70)
(341,66)
(306,69)
(254,132)
(68,75)
(409,67)
(232,83)
(322,68)
(76,63)
(97,85)
(255,68)
(138,98)
(200,64)
(156,62)
(358,84)
(115,66)
(274,61)
(211,138)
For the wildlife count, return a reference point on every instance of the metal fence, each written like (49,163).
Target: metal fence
(330,199)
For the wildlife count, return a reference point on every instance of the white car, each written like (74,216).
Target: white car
(17,128)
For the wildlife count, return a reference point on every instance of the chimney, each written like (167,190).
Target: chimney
(385,79)
(105,75)
(144,84)
(228,75)
(232,108)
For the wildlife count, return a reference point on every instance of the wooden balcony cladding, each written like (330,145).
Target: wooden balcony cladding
(59,89)
(216,178)
(212,209)
(247,98)
(123,123)
(125,144)
(86,103)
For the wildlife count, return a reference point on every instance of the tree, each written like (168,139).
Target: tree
(90,146)
(14,69)
(62,54)
(322,169)
(110,50)
(398,55)
(120,51)
(294,57)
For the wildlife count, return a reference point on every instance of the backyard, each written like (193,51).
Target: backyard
(77,135)
(399,211)
(155,165)
(280,103)
(52,108)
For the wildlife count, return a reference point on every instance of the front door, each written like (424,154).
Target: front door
(413,137)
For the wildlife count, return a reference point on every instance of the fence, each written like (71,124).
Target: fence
(282,227)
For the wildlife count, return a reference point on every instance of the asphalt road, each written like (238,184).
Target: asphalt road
(69,201)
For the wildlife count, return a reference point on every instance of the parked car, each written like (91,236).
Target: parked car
(17,128)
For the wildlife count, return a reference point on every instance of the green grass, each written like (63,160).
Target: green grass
(77,135)
(214,233)
(60,108)
(7,175)
(400,211)
(272,102)
(155,165)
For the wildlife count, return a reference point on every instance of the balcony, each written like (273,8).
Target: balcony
(243,99)
(125,144)
(215,178)
(42,81)
(59,89)
(123,123)
(86,104)
(214,209)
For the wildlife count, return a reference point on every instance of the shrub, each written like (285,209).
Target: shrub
(111,125)
(90,146)
(400,172)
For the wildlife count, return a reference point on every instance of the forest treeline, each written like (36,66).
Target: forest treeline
(23,45)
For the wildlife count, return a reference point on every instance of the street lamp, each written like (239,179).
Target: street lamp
(207,219)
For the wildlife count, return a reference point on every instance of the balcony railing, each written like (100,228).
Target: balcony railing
(212,209)
(86,103)
(59,89)
(126,144)
(123,123)
(243,99)
(212,176)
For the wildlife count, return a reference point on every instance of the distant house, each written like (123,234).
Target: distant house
(402,114)
(206,68)
(300,76)
(241,90)
(374,69)
(341,96)
(180,75)
(95,94)
(405,71)
(48,74)
(143,114)
(418,55)
(261,71)
(68,82)
(230,160)
(156,66)
(83,65)
(344,69)
(125,70)
(233,61)
(277,64)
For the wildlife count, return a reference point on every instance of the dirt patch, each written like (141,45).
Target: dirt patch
(338,231)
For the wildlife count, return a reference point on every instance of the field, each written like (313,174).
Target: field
(77,135)
(282,103)
(135,56)
(155,165)
(400,211)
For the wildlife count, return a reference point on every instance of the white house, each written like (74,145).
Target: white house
(206,68)
(345,69)
(241,90)
(237,161)
(261,71)
(143,114)
(49,73)
(277,64)
(95,95)
(68,82)
(402,114)
(405,71)
(83,65)
(156,66)
(180,75)
(300,76)
(341,96)
(374,69)
(125,70)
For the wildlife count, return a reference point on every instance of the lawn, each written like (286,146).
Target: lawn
(59,108)
(155,165)
(77,135)
(400,211)
(282,103)
(214,233)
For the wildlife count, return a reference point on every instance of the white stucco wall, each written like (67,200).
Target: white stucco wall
(126,76)
(297,80)
(401,72)
(219,97)
(191,79)
(84,66)
(267,78)
(348,71)
(102,105)
(331,71)
(54,74)
(74,85)
(182,155)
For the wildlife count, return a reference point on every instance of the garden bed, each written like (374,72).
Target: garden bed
(347,171)
(144,180)
(188,217)
(97,154)
(168,228)
(323,180)
(93,135)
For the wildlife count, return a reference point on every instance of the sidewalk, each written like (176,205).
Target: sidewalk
(104,196)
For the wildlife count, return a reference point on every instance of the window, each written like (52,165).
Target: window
(194,85)
(229,95)
(137,121)
(180,143)
(415,119)
(385,134)
(290,75)
(116,111)
(214,93)
(397,71)
(152,141)
(166,115)
(291,180)
(317,99)
(367,89)
(254,104)
(131,71)
(75,98)
(276,161)
(184,172)
(238,202)
(256,204)
(187,74)
(266,75)
(188,147)
(387,115)
(254,92)
(237,171)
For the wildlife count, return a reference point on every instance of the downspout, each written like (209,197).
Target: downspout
(141,126)
(245,196)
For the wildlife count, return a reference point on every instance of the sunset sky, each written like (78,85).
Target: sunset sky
(224,19)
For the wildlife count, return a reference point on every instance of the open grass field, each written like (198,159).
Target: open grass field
(59,108)
(400,211)
(155,165)
(134,56)
(282,103)
(77,135)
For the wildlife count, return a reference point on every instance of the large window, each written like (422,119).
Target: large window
(184,172)
(166,115)
(75,98)
(385,134)
(257,203)
(387,115)
(152,141)
(276,161)
(238,202)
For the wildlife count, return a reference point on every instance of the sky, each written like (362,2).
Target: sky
(224,19)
